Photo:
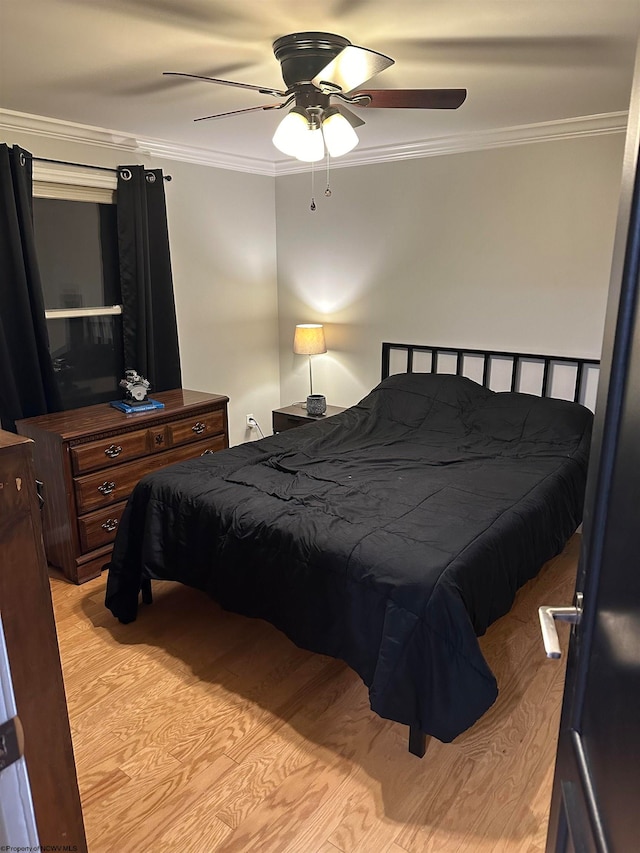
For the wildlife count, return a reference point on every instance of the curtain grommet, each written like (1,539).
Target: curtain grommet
(125,174)
(150,178)
(22,158)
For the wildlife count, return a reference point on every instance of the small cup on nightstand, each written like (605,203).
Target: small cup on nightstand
(316,404)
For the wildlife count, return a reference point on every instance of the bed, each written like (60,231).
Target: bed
(390,535)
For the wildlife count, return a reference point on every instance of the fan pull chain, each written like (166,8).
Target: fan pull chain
(312,206)
(327,192)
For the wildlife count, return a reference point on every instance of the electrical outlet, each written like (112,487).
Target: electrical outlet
(251,422)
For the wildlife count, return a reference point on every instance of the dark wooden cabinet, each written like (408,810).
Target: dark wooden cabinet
(290,417)
(90,459)
(34,659)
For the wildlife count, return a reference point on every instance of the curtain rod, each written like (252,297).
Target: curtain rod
(84,165)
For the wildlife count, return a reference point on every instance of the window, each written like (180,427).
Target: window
(77,249)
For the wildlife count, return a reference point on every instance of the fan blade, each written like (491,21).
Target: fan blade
(247,110)
(264,90)
(351,68)
(411,99)
(352,118)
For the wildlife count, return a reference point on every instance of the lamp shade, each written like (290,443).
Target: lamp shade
(310,146)
(296,137)
(309,339)
(290,133)
(339,136)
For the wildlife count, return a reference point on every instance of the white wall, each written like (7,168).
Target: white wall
(507,248)
(223,250)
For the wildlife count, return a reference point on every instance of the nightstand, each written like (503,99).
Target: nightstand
(290,417)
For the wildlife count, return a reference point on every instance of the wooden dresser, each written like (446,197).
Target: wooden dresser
(90,459)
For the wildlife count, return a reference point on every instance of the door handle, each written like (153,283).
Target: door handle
(548,616)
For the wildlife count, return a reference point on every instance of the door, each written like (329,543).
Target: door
(596,792)
(33,657)
(17,820)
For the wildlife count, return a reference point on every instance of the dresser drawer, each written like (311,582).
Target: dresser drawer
(115,484)
(99,527)
(282,421)
(195,428)
(110,451)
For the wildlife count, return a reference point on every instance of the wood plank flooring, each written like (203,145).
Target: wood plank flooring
(199,730)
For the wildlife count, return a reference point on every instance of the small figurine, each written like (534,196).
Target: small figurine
(136,387)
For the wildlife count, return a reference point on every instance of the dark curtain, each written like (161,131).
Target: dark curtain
(27,381)
(149,319)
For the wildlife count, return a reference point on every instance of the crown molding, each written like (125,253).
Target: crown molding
(138,146)
(66,131)
(568,128)
(206,157)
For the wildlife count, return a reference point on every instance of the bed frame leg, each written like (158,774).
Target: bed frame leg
(145,589)
(417,742)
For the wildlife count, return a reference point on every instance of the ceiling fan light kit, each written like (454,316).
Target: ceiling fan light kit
(317,67)
(305,136)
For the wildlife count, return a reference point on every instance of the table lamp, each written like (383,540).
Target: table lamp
(309,340)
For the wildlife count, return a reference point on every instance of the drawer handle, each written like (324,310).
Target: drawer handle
(113,450)
(107,487)
(110,524)
(198,427)
(206,452)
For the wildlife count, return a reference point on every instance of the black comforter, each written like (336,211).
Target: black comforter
(389,536)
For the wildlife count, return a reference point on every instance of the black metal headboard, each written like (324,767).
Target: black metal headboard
(578,372)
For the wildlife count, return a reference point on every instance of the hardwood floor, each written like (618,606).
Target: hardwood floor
(199,730)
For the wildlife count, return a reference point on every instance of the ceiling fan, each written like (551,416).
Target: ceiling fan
(321,72)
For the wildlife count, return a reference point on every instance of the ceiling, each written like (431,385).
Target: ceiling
(100,63)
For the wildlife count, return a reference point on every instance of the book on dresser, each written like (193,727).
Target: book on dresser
(90,459)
